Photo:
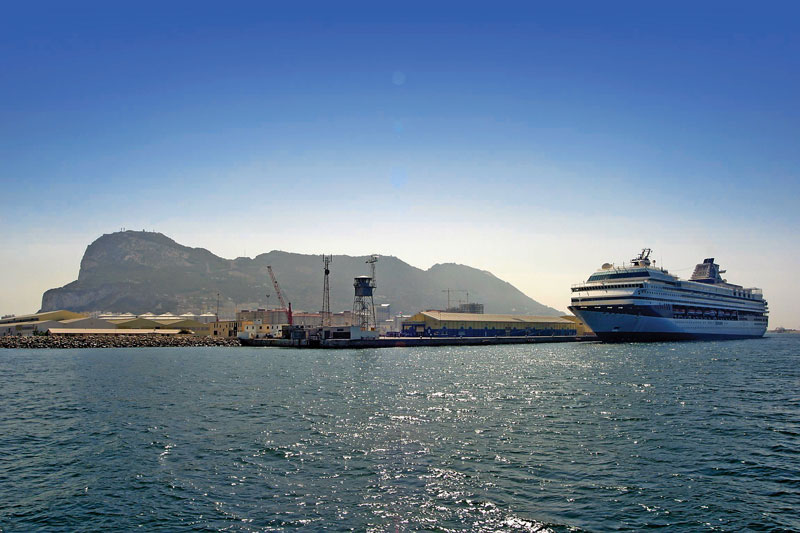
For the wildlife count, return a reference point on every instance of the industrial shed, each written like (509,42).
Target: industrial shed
(82,332)
(444,324)
(88,323)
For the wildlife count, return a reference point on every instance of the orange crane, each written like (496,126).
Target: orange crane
(284,307)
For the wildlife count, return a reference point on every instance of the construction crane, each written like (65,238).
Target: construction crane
(448,291)
(284,307)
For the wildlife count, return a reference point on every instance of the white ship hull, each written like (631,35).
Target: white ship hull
(625,328)
(643,303)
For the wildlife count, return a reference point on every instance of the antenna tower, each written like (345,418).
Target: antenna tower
(326,292)
(371,262)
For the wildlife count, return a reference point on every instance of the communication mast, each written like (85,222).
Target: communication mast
(371,262)
(284,307)
(326,292)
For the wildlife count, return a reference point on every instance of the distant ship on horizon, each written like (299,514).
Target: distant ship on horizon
(639,302)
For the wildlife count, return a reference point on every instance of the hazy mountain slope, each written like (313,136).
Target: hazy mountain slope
(142,271)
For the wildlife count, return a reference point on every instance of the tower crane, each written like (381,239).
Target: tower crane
(284,307)
(448,291)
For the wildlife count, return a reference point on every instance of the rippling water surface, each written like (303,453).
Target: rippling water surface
(563,437)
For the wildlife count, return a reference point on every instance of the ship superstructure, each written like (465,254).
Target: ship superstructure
(640,302)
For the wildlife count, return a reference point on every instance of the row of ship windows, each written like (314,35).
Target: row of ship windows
(718,314)
(738,294)
(604,287)
(684,295)
(684,312)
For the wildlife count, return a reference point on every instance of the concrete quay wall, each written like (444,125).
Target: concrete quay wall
(407,342)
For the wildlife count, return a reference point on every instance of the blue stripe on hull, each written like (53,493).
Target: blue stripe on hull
(621,327)
(633,336)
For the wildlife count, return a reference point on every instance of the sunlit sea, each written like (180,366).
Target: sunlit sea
(552,437)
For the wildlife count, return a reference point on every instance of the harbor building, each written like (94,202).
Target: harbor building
(266,316)
(444,324)
(255,329)
(83,332)
(28,329)
(117,317)
(345,318)
(47,315)
(582,328)
(88,323)
(137,323)
(226,328)
(383,312)
(301,318)
(36,323)
(474,308)
(197,328)
(386,327)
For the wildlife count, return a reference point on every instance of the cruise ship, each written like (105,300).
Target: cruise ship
(640,302)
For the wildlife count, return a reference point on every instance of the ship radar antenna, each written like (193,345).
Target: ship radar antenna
(643,259)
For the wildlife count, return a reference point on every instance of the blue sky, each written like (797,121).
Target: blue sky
(512,137)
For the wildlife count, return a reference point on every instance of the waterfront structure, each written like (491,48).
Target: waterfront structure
(470,307)
(36,323)
(444,324)
(386,327)
(383,312)
(61,314)
(398,322)
(344,318)
(266,316)
(256,329)
(353,332)
(41,323)
(82,332)
(27,329)
(166,316)
(116,316)
(639,302)
(197,328)
(88,323)
(580,326)
(137,323)
(300,318)
(206,318)
(392,326)
(226,328)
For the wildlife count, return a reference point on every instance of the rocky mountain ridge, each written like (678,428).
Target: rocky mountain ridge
(135,271)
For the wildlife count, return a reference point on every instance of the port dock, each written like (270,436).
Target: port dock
(407,342)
